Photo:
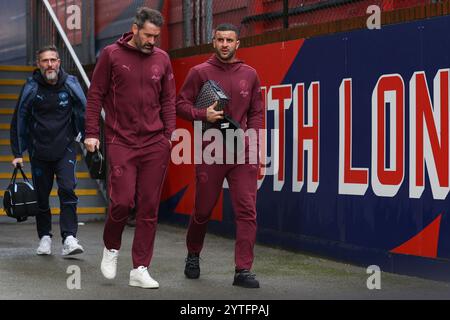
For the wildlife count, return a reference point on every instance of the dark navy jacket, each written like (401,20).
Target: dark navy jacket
(21,123)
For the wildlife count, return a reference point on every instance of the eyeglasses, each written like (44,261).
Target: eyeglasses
(47,61)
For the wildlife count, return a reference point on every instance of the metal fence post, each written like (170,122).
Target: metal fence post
(87,34)
(209,20)
(285,14)
(197,39)
(187,30)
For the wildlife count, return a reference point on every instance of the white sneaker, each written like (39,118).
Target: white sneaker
(45,246)
(71,246)
(141,278)
(109,263)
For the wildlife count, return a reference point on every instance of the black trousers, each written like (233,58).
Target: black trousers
(43,175)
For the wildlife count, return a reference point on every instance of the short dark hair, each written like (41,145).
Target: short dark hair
(144,14)
(50,47)
(227,27)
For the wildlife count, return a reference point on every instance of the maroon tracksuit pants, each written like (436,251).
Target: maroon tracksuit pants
(135,181)
(242,181)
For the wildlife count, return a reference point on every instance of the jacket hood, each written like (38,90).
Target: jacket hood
(225,66)
(126,37)
(62,76)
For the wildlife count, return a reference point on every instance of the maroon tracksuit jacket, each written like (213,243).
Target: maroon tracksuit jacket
(242,85)
(137,92)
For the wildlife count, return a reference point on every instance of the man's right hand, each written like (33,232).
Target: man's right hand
(212,115)
(91,144)
(17,161)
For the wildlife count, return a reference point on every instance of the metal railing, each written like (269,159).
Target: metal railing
(45,29)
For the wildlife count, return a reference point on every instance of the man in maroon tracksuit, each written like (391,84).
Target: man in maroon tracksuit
(134,83)
(241,83)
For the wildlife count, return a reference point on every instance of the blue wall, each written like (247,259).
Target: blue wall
(361,229)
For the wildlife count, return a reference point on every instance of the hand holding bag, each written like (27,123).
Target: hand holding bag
(20,198)
(96,164)
(210,93)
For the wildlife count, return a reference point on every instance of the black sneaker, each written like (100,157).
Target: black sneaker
(245,279)
(192,267)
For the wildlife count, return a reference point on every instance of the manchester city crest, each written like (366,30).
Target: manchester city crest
(63,99)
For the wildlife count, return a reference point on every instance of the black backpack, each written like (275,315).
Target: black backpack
(20,198)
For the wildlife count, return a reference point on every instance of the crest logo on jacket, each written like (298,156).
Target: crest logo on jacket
(156,73)
(243,85)
(63,99)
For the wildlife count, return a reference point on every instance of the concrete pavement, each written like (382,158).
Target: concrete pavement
(284,275)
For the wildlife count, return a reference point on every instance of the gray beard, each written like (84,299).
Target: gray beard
(51,77)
